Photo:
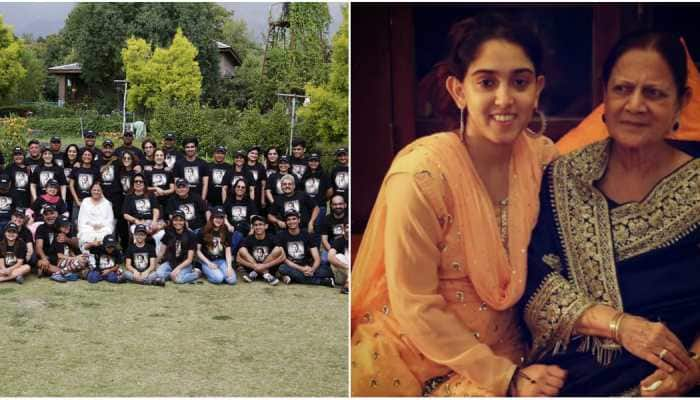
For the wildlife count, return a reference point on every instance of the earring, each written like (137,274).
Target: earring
(676,126)
(461,124)
(603,118)
(543,126)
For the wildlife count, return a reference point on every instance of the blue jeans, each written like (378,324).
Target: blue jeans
(186,275)
(236,240)
(323,271)
(95,276)
(129,276)
(320,219)
(218,275)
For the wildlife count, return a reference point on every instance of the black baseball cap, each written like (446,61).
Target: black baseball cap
(108,142)
(5,182)
(52,182)
(55,139)
(283,159)
(20,211)
(179,182)
(64,221)
(254,147)
(140,228)
(12,227)
(128,132)
(169,135)
(189,140)
(218,211)
(241,153)
(49,208)
(177,214)
(17,150)
(315,156)
(290,213)
(256,217)
(90,134)
(109,241)
(33,141)
(341,150)
(220,149)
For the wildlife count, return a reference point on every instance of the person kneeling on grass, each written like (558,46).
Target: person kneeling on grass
(339,257)
(140,260)
(105,261)
(258,253)
(214,249)
(302,263)
(177,249)
(61,253)
(12,255)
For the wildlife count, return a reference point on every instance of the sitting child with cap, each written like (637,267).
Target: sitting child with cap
(140,260)
(105,261)
(13,253)
(62,253)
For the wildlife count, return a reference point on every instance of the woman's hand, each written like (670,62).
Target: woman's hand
(661,383)
(655,343)
(539,380)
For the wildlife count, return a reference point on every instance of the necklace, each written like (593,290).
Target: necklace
(502,216)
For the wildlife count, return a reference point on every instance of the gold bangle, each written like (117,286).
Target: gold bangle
(615,326)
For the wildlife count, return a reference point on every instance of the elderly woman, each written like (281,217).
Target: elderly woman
(96,218)
(613,280)
(442,262)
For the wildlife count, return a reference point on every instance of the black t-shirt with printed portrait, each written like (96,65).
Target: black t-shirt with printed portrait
(6,206)
(160,178)
(109,175)
(193,172)
(177,246)
(82,180)
(42,174)
(104,260)
(217,248)
(298,201)
(296,247)
(19,177)
(259,249)
(15,252)
(315,184)
(239,212)
(333,227)
(41,203)
(172,157)
(298,166)
(47,233)
(33,163)
(126,179)
(59,248)
(140,256)
(58,159)
(275,185)
(234,176)
(193,206)
(219,176)
(140,206)
(257,172)
(340,180)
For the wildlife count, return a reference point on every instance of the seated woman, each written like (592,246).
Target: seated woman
(142,208)
(13,254)
(613,284)
(214,249)
(442,262)
(95,218)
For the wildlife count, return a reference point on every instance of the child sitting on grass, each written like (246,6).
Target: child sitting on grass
(105,261)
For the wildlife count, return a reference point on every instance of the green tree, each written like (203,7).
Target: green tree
(11,69)
(168,76)
(30,87)
(327,114)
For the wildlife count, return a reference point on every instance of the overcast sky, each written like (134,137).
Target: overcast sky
(41,19)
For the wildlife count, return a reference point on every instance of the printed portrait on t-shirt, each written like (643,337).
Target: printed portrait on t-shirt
(269,172)
(126,183)
(260,253)
(143,206)
(170,160)
(338,230)
(239,213)
(216,248)
(5,203)
(295,250)
(21,179)
(312,185)
(254,172)
(58,162)
(278,186)
(236,178)
(32,168)
(159,179)
(178,248)
(217,175)
(10,259)
(108,173)
(85,181)
(298,170)
(292,205)
(188,209)
(192,175)
(341,180)
(141,261)
(67,171)
(51,237)
(45,176)
(106,261)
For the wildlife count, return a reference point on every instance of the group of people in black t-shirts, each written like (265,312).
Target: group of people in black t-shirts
(154,214)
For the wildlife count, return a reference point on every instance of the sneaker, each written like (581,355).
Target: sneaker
(270,279)
(329,281)
(58,277)
(250,276)
(345,290)
(286,279)
(19,279)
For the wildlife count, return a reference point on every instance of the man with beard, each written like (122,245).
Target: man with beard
(340,176)
(302,263)
(55,146)
(333,228)
(316,184)
(33,158)
(193,169)
(19,177)
(45,236)
(219,172)
(128,139)
(298,159)
(291,200)
(258,253)
(259,174)
(192,206)
(172,156)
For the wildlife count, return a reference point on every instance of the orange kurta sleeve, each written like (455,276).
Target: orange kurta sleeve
(412,257)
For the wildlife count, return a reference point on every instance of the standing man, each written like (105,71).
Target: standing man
(259,174)
(90,138)
(33,158)
(298,159)
(302,263)
(193,169)
(55,146)
(219,172)
(316,185)
(19,177)
(128,140)
(340,175)
(172,156)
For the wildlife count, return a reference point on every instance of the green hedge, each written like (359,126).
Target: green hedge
(66,126)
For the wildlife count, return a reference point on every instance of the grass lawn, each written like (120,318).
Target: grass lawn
(82,339)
